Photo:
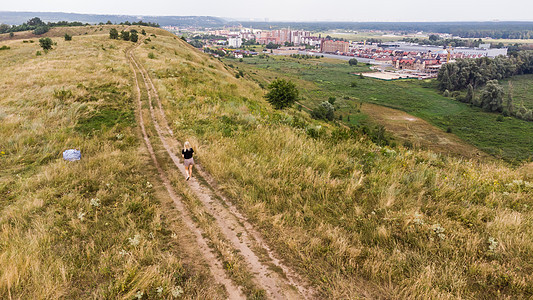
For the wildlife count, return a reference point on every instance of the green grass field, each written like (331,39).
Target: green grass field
(320,79)
(522,89)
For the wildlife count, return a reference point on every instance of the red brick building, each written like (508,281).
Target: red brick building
(329,46)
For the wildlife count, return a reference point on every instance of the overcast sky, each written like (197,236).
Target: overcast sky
(296,10)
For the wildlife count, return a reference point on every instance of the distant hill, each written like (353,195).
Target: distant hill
(17,18)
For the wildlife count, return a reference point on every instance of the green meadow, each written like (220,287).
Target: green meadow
(510,138)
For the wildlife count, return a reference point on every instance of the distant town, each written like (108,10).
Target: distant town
(395,59)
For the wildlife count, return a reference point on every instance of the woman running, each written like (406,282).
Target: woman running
(188,161)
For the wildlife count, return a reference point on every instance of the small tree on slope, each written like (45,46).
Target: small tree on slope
(282,93)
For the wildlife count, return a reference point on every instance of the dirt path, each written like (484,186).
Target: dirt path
(215,266)
(284,284)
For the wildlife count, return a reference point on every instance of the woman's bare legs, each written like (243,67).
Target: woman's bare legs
(189,172)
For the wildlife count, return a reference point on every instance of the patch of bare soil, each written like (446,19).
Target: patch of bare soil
(420,133)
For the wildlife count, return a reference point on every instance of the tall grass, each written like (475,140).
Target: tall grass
(357,219)
(93,228)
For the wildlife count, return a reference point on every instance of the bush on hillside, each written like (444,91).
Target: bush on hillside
(282,93)
(113,34)
(41,30)
(46,43)
(68,37)
(134,37)
(125,35)
(324,111)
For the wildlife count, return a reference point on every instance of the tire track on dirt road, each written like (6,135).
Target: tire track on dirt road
(232,224)
(215,266)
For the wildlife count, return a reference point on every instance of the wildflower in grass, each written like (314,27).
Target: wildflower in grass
(177,291)
(438,230)
(123,252)
(2,153)
(149,185)
(81,216)
(135,241)
(159,290)
(139,295)
(174,236)
(119,136)
(418,219)
(493,244)
(95,202)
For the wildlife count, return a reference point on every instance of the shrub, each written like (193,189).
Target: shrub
(134,37)
(446,93)
(68,37)
(353,84)
(38,53)
(11,34)
(499,118)
(324,111)
(113,34)
(331,100)
(46,43)
(125,35)
(41,30)
(282,93)
(353,62)
(143,32)
(4,47)
(151,55)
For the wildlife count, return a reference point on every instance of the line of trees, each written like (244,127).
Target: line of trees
(37,26)
(483,74)
(477,72)
(131,35)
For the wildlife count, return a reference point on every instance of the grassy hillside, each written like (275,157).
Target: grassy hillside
(355,218)
(511,139)
(93,228)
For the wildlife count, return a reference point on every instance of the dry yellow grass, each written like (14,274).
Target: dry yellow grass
(357,219)
(94,228)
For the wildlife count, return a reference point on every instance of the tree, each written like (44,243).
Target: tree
(134,37)
(113,34)
(469,94)
(108,22)
(282,93)
(272,46)
(353,62)
(434,37)
(41,29)
(143,32)
(492,97)
(125,35)
(68,37)
(35,22)
(46,43)
(325,111)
